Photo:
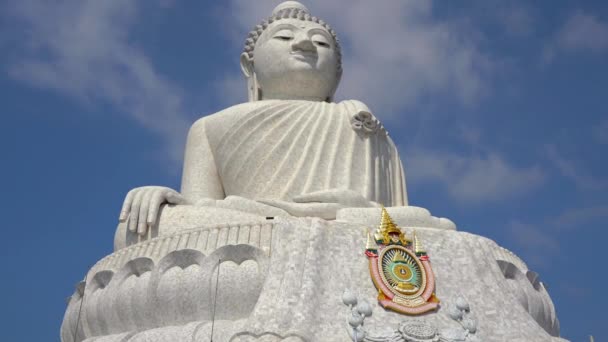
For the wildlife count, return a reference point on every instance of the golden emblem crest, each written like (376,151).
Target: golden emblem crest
(400,269)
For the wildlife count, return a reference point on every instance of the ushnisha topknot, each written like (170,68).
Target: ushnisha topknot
(290,4)
(290,10)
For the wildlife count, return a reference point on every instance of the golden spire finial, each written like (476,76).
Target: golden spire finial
(386,223)
(387,228)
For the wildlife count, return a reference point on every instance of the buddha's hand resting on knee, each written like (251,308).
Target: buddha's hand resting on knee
(323,204)
(141,206)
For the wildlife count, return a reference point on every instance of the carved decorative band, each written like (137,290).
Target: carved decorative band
(205,239)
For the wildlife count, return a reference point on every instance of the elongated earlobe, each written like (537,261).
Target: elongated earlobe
(246,65)
(253,91)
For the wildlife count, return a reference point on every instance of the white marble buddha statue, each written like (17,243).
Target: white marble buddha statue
(290,149)
(234,257)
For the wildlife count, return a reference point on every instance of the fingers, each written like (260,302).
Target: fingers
(155,203)
(151,206)
(126,206)
(142,224)
(142,206)
(134,212)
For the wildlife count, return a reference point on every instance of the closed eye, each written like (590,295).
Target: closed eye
(284,38)
(323,44)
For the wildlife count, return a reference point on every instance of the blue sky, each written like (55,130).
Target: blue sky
(498,109)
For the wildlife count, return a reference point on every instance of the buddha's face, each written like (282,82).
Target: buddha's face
(296,59)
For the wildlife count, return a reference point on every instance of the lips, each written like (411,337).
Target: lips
(304,55)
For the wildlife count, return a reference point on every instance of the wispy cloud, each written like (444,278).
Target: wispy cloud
(580,32)
(473,178)
(574,218)
(82,49)
(396,52)
(569,169)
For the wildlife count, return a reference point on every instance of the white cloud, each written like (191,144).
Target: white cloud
(575,217)
(472,178)
(580,32)
(396,51)
(574,172)
(82,49)
(583,31)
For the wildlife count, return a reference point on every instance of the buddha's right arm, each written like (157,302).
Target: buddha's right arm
(200,182)
(200,179)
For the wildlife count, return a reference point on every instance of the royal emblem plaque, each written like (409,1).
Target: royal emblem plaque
(400,269)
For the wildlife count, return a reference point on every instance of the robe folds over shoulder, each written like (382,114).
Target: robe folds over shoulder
(280,149)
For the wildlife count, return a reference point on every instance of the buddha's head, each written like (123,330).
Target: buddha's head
(292,55)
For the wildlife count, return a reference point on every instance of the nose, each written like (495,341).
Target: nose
(303,43)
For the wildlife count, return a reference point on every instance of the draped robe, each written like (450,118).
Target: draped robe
(278,149)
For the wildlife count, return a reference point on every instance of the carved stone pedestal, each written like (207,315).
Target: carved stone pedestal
(282,279)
